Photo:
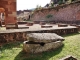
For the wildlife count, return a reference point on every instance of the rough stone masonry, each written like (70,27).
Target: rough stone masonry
(64,13)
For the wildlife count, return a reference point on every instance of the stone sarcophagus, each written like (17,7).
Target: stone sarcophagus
(46,26)
(40,42)
(62,25)
(30,23)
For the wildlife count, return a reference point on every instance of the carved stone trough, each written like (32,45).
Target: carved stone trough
(73,25)
(62,25)
(30,23)
(40,42)
(46,26)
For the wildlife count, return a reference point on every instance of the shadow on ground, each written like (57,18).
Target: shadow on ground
(10,45)
(67,35)
(40,56)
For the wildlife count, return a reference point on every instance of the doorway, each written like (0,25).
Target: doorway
(2,16)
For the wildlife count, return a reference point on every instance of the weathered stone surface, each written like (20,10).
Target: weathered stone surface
(44,37)
(46,26)
(37,48)
(78,27)
(40,42)
(22,33)
(42,23)
(62,25)
(30,23)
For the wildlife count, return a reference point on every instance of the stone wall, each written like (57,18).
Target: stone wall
(66,12)
(21,34)
(11,37)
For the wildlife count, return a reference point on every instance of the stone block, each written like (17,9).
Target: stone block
(37,48)
(40,42)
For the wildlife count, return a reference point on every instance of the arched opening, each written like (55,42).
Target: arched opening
(2,16)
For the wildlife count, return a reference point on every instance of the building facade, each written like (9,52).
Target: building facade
(9,7)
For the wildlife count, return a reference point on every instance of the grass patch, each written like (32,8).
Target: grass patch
(13,51)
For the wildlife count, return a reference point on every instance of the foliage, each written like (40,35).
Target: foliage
(52,4)
(60,2)
(38,7)
(49,16)
(69,1)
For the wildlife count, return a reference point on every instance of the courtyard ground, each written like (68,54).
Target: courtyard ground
(13,51)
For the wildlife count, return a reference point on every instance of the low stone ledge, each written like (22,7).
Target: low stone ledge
(10,37)
(78,27)
(11,26)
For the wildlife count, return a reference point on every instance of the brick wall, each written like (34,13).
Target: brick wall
(68,12)
(10,11)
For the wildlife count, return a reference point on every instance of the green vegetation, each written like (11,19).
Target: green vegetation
(13,51)
(49,16)
(60,2)
(38,7)
(52,4)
